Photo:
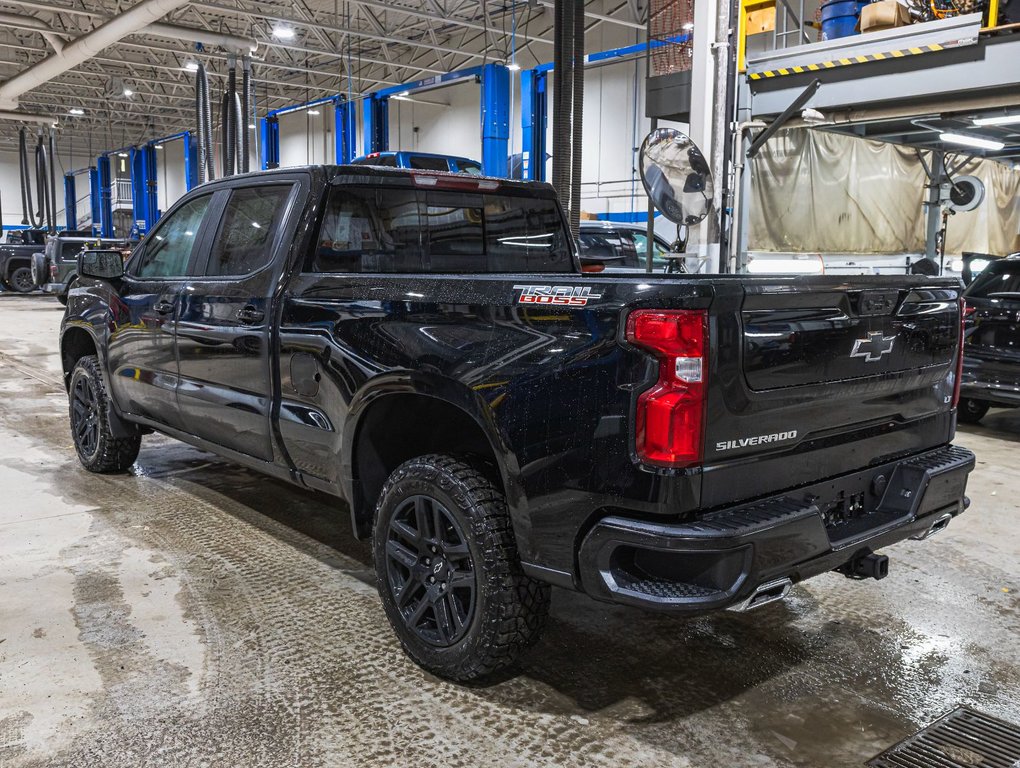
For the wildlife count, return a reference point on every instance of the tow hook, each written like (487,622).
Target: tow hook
(867,565)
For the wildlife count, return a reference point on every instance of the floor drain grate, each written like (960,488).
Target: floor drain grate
(961,739)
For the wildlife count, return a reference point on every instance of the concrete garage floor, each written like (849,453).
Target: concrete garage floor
(194,613)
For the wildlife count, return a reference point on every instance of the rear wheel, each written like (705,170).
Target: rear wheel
(971,411)
(21,280)
(448,570)
(98,449)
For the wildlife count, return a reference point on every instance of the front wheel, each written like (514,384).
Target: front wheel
(98,449)
(448,570)
(971,411)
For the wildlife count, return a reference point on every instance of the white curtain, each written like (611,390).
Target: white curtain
(819,192)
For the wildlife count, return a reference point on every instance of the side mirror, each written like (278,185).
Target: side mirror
(676,176)
(105,265)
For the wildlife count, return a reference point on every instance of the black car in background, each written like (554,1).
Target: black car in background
(991,352)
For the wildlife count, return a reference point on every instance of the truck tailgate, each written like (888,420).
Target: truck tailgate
(814,377)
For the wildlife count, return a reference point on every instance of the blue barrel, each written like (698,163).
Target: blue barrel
(839,18)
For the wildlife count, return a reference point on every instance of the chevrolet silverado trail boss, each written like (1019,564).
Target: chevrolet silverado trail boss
(425,347)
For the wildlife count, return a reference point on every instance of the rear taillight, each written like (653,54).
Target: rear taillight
(670,415)
(965,311)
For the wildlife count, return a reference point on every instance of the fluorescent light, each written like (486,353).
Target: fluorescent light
(997,120)
(513,66)
(122,154)
(128,92)
(966,140)
(687,26)
(251,126)
(284,33)
(191,66)
(76,111)
(313,111)
(158,146)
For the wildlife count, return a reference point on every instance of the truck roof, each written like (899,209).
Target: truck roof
(464,181)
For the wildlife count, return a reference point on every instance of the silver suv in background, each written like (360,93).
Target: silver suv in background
(56,269)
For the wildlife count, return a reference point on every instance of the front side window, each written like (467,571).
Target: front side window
(244,242)
(168,249)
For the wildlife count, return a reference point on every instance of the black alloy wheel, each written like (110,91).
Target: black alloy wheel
(431,574)
(971,411)
(85,416)
(21,280)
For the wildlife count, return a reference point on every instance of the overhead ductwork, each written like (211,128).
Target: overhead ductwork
(85,47)
(17,21)
(24,117)
(233,43)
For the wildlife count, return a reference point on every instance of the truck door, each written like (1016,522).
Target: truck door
(223,334)
(141,355)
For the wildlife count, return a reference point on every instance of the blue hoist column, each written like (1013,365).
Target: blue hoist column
(95,201)
(345,130)
(105,201)
(377,123)
(270,146)
(534,117)
(495,119)
(143,187)
(70,202)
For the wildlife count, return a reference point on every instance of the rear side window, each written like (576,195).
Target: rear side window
(69,251)
(998,280)
(387,161)
(168,249)
(425,163)
(245,238)
(368,229)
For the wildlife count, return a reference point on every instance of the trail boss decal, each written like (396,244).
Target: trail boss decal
(555,295)
(744,442)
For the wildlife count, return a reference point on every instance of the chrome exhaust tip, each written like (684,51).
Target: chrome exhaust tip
(940,524)
(766,593)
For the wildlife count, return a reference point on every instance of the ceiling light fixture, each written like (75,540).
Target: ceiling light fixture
(128,92)
(122,154)
(966,140)
(997,120)
(157,146)
(513,66)
(313,111)
(191,66)
(284,33)
(251,126)
(76,111)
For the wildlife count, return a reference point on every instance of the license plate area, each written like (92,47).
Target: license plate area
(856,506)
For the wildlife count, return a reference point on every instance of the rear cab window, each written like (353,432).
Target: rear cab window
(426,163)
(244,241)
(390,229)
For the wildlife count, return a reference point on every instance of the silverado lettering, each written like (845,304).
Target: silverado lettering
(743,442)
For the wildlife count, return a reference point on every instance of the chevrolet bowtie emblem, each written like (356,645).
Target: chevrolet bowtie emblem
(873,347)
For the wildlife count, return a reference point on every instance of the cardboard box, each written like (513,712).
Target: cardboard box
(885,14)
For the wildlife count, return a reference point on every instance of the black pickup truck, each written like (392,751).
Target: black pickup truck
(16,259)
(425,347)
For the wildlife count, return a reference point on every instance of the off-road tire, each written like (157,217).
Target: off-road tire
(971,411)
(509,608)
(98,450)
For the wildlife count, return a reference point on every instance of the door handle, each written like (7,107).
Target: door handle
(250,315)
(163,307)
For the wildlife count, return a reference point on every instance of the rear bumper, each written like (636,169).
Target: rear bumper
(994,381)
(57,288)
(725,558)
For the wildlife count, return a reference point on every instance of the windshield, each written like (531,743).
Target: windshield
(999,280)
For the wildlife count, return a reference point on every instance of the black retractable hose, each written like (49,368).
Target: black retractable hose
(245,163)
(568,106)
(576,117)
(203,118)
(53,181)
(28,213)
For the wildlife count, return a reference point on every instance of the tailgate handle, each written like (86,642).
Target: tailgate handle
(250,315)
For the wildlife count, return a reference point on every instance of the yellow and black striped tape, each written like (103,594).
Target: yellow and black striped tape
(845,62)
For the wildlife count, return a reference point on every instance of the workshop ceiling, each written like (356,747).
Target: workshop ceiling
(306,49)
